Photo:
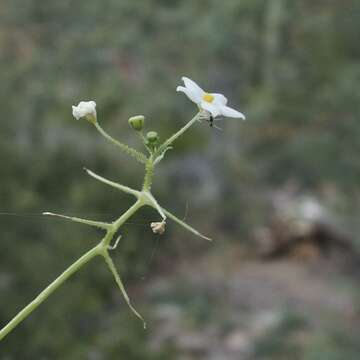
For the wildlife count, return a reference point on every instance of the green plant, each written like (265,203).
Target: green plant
(210,106)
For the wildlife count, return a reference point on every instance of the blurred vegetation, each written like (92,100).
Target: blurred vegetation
(291,66)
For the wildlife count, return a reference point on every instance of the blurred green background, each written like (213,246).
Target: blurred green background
(279,193)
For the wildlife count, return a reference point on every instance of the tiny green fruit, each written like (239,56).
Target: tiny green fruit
(137,122)
(152,137)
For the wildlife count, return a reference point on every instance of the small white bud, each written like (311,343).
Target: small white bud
(85,109)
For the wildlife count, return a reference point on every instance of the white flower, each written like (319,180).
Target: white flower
(85,109)
(215,104)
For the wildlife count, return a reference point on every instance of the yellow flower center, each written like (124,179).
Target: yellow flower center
(208,97)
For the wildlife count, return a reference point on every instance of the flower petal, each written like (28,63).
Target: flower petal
(83,109)
(190,94)
(229,112)
(220,99)
(193,86)
(211,108)
(75,112)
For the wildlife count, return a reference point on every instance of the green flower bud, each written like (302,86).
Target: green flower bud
(137,122)
(152,137)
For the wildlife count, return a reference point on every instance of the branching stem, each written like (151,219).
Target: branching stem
(143,197)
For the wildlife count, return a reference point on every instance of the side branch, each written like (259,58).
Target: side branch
(127,149)
(118,281)
(99,224)
(183,224)
(123,188)
(171,139)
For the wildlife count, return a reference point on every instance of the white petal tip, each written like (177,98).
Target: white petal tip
(232,113)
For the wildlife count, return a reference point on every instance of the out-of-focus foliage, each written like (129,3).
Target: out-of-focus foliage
(291,66)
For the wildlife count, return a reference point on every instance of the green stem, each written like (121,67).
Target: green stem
(149,173)
(154,204)
(104,245)
(99,249)
(121,220)
(171,139)
(50,289)
(130,151)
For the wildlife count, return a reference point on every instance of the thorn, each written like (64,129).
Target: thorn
(205,237)
(115,245)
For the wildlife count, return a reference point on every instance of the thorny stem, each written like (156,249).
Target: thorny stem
(99,249)
(123,188)
(99,224)
(143,198)
(184,224)
(118,281)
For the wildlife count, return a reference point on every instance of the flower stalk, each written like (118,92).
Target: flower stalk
(140,157)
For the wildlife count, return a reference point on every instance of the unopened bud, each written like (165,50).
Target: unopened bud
(152,137)
(85,109)
(137,122)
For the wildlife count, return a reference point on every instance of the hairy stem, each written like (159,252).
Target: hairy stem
(149,173)
(127,149)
